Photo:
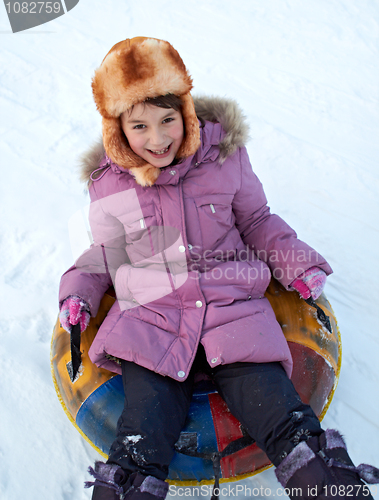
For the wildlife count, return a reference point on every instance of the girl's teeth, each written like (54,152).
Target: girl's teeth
(161,152)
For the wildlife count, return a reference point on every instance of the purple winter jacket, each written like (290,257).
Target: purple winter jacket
(190,259)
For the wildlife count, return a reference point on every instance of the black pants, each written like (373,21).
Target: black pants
(259,395)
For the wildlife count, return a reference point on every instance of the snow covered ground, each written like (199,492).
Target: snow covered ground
(306,74)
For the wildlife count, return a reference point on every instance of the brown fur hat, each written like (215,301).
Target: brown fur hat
(134,70)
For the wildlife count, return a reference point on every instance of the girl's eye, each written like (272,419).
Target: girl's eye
(138,127)
(168,120)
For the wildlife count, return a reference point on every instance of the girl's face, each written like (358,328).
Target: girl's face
(155,134)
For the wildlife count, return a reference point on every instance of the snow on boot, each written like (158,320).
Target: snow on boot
(112,483)
(321,468)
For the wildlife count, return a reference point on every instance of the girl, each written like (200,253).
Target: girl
(179,220)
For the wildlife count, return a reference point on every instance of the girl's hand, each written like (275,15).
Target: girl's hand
(74,310)
(310,283)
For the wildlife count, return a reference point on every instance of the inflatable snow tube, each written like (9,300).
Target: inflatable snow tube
(94,401)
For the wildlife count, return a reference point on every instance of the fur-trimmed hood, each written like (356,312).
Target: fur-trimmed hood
(208,108)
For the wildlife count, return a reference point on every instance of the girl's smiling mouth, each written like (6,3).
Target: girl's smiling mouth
(160,153)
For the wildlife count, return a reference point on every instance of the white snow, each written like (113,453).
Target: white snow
(306,74)
(132,439)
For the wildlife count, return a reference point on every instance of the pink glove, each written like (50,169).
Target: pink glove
(74,310)
(310,283)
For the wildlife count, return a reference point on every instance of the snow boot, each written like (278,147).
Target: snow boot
(320,468)
(112,483)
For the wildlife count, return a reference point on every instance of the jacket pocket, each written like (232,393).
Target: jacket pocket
(137,222)
(216,218)
(139,226)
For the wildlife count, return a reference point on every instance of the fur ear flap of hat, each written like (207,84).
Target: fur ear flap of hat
(135,70)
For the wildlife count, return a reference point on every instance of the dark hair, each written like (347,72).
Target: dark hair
(166,101)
